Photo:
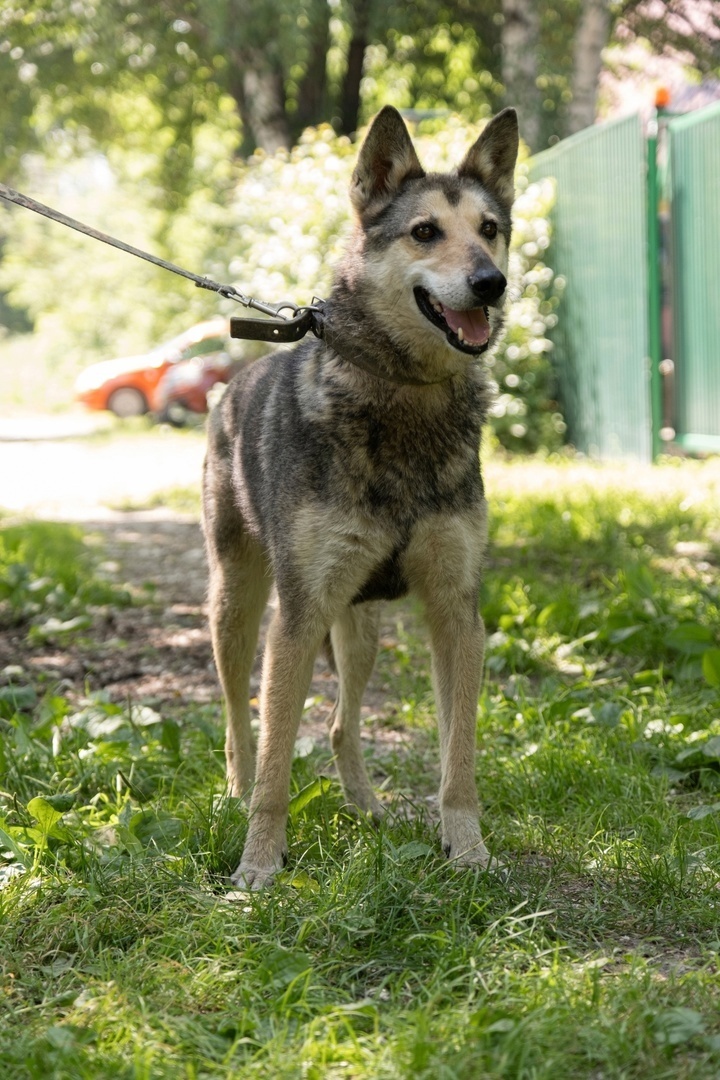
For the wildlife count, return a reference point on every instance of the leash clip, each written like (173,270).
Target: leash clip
(279,328)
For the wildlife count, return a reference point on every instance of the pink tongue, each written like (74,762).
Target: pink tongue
(475,327)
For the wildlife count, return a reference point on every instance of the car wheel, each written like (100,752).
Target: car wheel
(175,413)
(127,401)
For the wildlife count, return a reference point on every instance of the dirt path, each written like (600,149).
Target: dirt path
(158,651)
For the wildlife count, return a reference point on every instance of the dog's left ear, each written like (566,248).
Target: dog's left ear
(387,159)
(491,159)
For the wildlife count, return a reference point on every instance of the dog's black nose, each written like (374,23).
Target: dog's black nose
(488,284)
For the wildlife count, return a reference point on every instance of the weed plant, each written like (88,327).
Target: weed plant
(594,954)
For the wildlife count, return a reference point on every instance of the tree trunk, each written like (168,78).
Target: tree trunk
(264,93)
(520,44)
(259,93)
(591,37)
(350,94)
(312,92)
(256,77)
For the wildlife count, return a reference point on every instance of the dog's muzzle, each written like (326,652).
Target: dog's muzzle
(467,331)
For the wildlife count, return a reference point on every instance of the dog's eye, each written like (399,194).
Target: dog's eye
(489,229)
(424,232)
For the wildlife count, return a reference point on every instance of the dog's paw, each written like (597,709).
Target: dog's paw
(476,858)
(251,876)
(257,873)
(366,807)
(462,841)
(476,855)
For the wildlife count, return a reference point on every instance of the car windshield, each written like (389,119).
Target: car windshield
(172,349)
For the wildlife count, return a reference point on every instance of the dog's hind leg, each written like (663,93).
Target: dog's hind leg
(355,641)
(240,583)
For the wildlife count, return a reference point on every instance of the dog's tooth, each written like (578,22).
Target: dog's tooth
(460,334)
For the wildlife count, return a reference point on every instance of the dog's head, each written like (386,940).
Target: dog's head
(435,245)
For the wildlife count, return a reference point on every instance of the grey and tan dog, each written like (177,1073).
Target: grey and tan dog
(347,472)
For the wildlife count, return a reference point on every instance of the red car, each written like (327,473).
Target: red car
(185,386)
(132,386)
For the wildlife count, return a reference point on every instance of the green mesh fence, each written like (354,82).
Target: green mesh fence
(694,188)
(600,246)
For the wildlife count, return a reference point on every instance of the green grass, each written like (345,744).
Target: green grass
(599,774)
(47,579)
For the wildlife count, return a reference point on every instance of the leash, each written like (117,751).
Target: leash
(278,327)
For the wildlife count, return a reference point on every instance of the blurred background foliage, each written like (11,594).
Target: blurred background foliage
(219,134)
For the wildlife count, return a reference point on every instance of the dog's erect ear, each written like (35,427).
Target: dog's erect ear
(491,159)
(386,160)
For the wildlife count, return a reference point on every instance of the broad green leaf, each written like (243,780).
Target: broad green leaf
(8,843)
(668,773)
(44,813)
(711,748)
(640,582)
(697,813)
(54,626)
(16,699)
(157,829)
(414,849)
(170,736)
(143,716)
(280,967)
(691,757)
(313,791)
(690,638)
(678,1025)
(608,714)
(500,1027)
(711,667)
(61,803)
(129,841)
(99,720)
(301,880)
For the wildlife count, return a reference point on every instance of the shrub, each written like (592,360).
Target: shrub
(274,226)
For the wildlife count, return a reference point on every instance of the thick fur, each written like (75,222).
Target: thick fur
(347,472)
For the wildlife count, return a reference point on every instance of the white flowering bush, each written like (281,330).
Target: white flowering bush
(273,226)
(525,414)
(291,217)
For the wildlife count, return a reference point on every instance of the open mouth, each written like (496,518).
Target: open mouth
(468,331)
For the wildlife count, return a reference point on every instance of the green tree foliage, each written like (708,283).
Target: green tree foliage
(66,66)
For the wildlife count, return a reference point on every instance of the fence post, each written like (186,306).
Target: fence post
(654,285)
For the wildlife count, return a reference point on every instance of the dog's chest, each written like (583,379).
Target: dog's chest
(403,466)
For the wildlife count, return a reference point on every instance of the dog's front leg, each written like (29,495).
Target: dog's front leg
(444,563)
(287,671)
(457,640)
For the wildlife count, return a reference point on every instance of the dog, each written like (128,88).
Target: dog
(346,471)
